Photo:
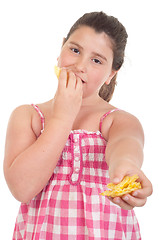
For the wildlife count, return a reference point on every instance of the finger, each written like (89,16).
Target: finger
(79,85)
(134,202)
(63,78)
(116,175)
(119,201)
(146,189)
(71,83)
(142,193)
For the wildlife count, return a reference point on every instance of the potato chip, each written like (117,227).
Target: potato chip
(127,185)
(57,71)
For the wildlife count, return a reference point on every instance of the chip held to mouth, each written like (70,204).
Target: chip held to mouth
(127,185)
(57,71)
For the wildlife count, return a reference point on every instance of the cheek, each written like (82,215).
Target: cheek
(65,59)
(98,78)
(62,59)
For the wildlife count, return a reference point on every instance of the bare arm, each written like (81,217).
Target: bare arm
(125,141)
(29,162)
(124,155)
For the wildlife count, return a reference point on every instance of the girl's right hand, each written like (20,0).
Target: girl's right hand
(68,97)
(26,152)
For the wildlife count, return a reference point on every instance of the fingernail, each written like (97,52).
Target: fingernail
(117,200)
(116,180)
(134,194)
(126,198)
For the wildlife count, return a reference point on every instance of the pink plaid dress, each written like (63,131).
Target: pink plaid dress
(70,207)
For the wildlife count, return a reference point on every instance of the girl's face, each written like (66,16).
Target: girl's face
(89,55)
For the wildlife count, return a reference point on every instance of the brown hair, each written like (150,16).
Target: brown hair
(101,22)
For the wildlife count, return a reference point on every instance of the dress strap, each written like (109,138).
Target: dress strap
(105,115)
(41,116)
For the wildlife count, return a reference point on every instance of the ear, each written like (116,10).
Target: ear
(112,74)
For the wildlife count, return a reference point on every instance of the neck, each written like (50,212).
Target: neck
(90,101)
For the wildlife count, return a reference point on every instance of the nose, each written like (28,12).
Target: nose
(81,65)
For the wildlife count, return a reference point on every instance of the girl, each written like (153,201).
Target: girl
(60,155)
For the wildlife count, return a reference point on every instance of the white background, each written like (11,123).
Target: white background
(31,34)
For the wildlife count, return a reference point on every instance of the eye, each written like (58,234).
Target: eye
(75,50)
(97,61)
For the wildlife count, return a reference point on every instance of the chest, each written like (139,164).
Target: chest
(83,158)
(88,120)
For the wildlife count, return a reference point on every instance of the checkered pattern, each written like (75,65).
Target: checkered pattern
(70,207)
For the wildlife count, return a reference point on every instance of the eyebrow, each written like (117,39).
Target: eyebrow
(74,43)
(95,53)
(100,55)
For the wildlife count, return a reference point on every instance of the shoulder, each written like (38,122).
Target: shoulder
(21,110)
(121,124)
(25,117)
(20,113)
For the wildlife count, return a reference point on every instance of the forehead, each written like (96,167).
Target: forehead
(88,37)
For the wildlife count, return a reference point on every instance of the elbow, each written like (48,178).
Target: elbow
(21,197)
(18,191)
(19,194)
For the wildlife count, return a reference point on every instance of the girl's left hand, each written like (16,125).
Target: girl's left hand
(137,198)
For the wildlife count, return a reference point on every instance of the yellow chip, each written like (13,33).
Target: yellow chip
(57,71)
(127,185)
